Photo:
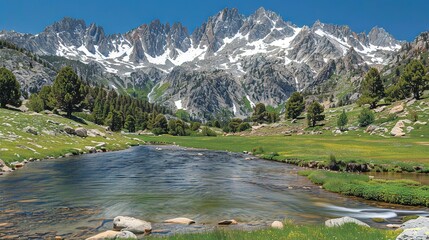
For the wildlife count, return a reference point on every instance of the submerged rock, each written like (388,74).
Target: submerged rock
(180,220)
(228,222)
(341,221)
(131,224)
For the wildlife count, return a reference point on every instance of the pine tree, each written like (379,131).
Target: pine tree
(114,121)
(46,95)
(68,90)
(130,123)
(97,112)
(342,120)
(366,117)
(10,90)
(314,113)
(295,105)
(160,125)
(415,78)
(259,113)
(372,88)
(35,103)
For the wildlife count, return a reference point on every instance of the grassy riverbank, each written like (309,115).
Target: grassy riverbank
(16,144)
(352,147)
(405,192)
(293,232)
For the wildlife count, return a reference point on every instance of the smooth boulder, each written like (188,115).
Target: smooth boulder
(69,130)
(131,224)
(336,222)
(90,149)
(416,223)
(95,132)
(4,167)
(81,132)
(180,220)
(104,235)
(414,234)
(126,235)
(277,224)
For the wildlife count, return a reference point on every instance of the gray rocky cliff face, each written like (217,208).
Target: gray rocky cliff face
(232,58)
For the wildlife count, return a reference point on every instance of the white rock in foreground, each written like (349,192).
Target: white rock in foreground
(126,235)
(341,221)
(180,220)
(416,223)
(414,234)
(277,224)
(131,224)
(104,235)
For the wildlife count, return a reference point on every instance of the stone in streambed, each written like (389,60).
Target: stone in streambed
(4,167)
(228,222)
(126,235)
(90,149)
(131,224)
(341,221)
(104,235)
(180,220)
(393,225)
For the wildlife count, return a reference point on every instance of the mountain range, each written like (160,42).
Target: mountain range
(224,66)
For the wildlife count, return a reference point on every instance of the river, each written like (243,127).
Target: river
(79,195)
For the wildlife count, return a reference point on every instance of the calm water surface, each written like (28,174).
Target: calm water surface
(155,184)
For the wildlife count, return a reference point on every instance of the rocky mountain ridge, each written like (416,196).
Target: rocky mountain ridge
(246,59)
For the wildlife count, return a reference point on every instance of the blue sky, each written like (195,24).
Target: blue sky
(404,19)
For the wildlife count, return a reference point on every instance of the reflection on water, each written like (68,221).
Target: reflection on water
(158,184)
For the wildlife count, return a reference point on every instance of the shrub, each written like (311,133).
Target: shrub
(35,103)
(85,116)
(208,132)
(158,131)
(271,156)
(195,126)
(366,117)
(258,150)
(342,120)
(243,127)
(414,116)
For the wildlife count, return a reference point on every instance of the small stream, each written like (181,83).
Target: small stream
(78,196)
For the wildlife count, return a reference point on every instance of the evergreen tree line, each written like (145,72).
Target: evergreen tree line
(106,107)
